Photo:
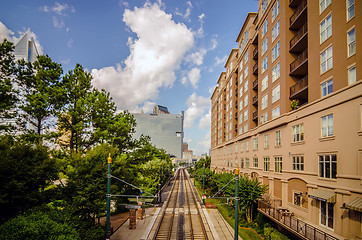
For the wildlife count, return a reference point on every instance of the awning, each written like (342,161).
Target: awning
(355,204)
(323,195)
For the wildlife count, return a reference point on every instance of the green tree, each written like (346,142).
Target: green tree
(25,171)
(250,191)
(7,72)
(42,99)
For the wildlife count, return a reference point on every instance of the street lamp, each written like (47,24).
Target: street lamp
(236,202)
(203,187)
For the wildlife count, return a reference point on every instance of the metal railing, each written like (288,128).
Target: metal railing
(255,68)
(297,12)
(295,225)
(302,83)
(299,60)
(255,52)
(255,115)
(303,30)
(255,99)
(255,83)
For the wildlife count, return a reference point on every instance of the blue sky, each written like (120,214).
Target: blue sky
(143,52)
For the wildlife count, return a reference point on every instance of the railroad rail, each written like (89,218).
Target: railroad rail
(181,218)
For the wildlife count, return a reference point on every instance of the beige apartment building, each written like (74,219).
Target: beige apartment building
(288,111)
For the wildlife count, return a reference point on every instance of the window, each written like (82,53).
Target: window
(276,112)
(241,91)
(264,118)
(350,9)
(326,28)
(278,138)
(298,133)
(352,75)
(247,145)
(246,71)
(246,100)
(246,57)
(327,126)
(264,46)
(298,163)
(351,42)
(241,68)
(275,10)
(255,141)
(246,37)
(246,128)
(246,86)
(241,147)
(264,65)
(241,105)
(266,164)
(264,5)
(326,214)
(298,198)
(323,4)
(246,115)
(236,147)
(242,163)
(275,51)
(247,163)
(327,88)
(326,59)
(276,72)
(276,31)
(241,46)
(241,118)
(328,166)
(276,94)
(264,28)
(255,162)
(278,164)
(240,129)
(264,83)
(264,101)
(266,140)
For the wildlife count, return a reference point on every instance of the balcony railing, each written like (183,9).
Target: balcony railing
(299,60)
(297,12)
(255,115)
(255,69)
(255,53)
(303,30)
(255,84)
(300,85)
(293,224)
(255,99)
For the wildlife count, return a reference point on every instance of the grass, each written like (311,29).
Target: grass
(245,233)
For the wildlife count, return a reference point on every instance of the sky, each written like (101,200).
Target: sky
(144,53)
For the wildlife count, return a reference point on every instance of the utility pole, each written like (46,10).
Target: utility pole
(108,221)
(203,186)
(236,203)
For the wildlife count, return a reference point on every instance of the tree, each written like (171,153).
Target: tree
(25,171)
(43,95)
(250,191)
(7,72)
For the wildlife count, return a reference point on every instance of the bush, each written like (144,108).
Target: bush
(273,234)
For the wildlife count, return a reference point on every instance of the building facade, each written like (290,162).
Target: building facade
(288,110)
(165,130)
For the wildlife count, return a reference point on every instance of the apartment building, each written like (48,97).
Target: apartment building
(288,111)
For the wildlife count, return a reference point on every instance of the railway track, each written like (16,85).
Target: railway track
(181,217)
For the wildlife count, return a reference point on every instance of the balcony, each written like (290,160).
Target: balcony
(292,224)
(294,3)
(299,66)
(255,85)
(255,116)
(255,53)
(255,69)
(300,89)
(299,17)
(300,41)
(255,100)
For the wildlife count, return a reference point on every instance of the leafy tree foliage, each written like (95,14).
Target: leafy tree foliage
(25,171)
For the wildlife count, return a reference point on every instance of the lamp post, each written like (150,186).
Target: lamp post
(203,186)
(236,203)
(160,183)
(108,221)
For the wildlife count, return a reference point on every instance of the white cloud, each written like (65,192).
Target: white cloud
(197,57)
(197,105)
(219,61)
(201,17)
(194,77)
(206,142)
(58,22)
(70,42)
(205,121)
(58,12)
(153,57)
